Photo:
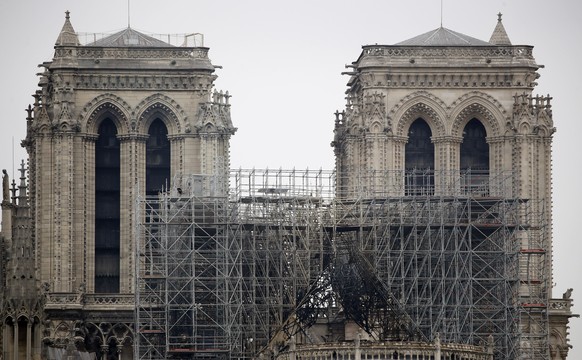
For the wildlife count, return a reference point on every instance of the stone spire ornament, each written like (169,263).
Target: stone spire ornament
(67,36)
(499,36)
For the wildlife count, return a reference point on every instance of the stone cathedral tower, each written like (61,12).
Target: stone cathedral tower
(114,118)
(443,117)
(431,240)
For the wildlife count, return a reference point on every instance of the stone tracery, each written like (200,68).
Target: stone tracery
(168,109)
(94,111)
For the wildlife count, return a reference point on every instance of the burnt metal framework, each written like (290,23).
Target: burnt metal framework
(232,275)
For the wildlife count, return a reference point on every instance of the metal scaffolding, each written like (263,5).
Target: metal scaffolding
(233,275)
(281,226)
(187,273)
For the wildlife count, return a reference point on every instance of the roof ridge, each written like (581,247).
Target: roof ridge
(457,35)
(130,37)
(443,37)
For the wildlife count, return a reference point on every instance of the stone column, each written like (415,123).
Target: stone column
(358,350)
(15,339)
(89,141)
(5,342)
(37,344)
(446,149)
(397,176)
(119,351)
(29,340)
(499,175)
(104,350)
(132,183)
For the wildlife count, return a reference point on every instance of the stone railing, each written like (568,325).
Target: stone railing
(68,301)
(131,53)
(386,350)
(452,51)
(117,301)
(560,306)
(81,301)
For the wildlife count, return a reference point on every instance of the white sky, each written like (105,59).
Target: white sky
(282,62)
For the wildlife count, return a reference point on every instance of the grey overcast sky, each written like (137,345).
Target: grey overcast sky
(282,62)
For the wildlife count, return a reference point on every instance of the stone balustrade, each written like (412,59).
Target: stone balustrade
(385,350)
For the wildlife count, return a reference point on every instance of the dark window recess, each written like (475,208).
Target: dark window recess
(475,159)
(157,158)
(107,202)
(419,160)
(474,148)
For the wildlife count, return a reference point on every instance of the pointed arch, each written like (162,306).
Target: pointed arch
(103,106)
(159,106)
(158,157)
(376,127)
(481,106)
(419,159)
(474,151)
(107,208)
(420,104)
(419,149)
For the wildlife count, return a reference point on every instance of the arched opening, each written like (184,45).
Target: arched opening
(419,160)
(157,158)
(474,157)
(107,214)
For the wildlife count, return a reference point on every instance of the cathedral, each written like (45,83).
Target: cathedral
(128,236)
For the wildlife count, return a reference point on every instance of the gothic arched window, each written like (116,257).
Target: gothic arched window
(474,157)
(157,158)
(419,159)
(107,215)
(474,148)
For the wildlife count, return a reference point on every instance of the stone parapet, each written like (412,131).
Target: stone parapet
(80,301)
(386,350)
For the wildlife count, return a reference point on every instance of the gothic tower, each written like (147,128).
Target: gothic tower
(447,116)
(115,118)
(432,239)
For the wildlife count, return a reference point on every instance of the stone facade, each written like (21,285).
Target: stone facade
(447,80)
(442,84)
(83,85)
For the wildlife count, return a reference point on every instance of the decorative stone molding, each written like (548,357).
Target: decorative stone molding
(476,104)
(408,52)
(214,116)
(419,104)
(385,350)
(480,112)
(163,106)
(88,52)
(167,82)
(95,111)
(424,111)
(532,115)
(375,106)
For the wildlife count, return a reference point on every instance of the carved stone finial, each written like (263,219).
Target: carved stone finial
(5,186)
(29,111)
(499,16)
(67,14)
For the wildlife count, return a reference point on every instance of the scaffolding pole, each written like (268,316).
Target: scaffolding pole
(407,256)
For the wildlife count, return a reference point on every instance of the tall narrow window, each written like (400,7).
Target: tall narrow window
(474,157)
(107,209)
(419,159)
(157,158)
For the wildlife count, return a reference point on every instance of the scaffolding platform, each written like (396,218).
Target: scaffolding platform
(237,270)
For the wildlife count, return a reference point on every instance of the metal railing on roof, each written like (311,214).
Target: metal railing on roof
(178,40)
